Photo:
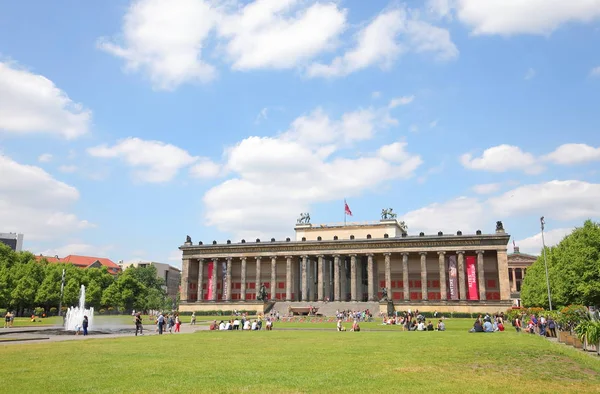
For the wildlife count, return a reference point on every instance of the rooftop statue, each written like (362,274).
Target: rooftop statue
(304,218)
(499,226)
(188,239)
(388,214)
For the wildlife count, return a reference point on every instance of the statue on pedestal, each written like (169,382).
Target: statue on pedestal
(304,218)
(499,227)
(262,293)
(188,239)
(384,294)
(388,214)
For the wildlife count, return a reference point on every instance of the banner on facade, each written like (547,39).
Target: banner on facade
(471,278)
(223,277)
(211,266)
(452,278)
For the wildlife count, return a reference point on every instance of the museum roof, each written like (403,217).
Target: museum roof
(499,238)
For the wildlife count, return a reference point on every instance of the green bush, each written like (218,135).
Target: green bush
(3,311)
(53,311)
(102,311)
(39,311)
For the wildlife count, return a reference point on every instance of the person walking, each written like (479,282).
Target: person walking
(193,320)
(161,323)
(85,325)
(138,324)
(177,323)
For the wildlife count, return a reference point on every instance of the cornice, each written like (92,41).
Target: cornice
(296,247)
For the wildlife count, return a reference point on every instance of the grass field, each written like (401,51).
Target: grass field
(377,359)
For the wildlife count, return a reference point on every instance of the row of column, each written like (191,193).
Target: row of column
(513,272)
(338,278)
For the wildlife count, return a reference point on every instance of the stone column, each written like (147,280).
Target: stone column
(353,277)
(273,277)
(503,275)
(257,280)
(215,273)
(320,277)
(228,280)
(423,275)
(405,276)
(327,279)
(336,277)
(243,285)
(304,278)
(370,283)
(200,280)
(514,277)
(480,275)
(462,286)
(185,280)
(388,274)
(443,291)
(343,280)
(288,278)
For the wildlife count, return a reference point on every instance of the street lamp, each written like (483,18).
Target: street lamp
(62,287)
(546,263)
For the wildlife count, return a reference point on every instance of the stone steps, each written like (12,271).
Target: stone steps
(327,308)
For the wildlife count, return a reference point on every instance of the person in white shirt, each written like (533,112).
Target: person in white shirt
(247,325)
(421,326)
(221,326)
(254,325)
(236,324)
(228,325)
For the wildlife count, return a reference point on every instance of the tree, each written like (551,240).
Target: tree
(48,293)
(573,269)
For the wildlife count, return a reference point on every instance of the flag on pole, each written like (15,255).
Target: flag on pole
(347,210)
(514,243)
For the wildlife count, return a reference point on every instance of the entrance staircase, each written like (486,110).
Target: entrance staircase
(326,308)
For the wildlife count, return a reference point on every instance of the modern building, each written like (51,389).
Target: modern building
(517,267)
(353,263)
(12,240)
(170,274)
(84,262)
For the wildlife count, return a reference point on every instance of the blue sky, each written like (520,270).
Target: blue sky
(126,125)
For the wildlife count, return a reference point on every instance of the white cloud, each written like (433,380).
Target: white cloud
(595,72)
(68,169)
(31,103)
(398,101)
(440,8)
(560,200)
(262,115)
(508,17)
(159,162)
(81,249)
(262,197)
(45,158)
(382,41)
(205,168)
(32,202)
(533,244)
(463,213)
(165,40)
(280,33)
(486,188)
(376,95)
(530,74)
(573,154)
(502,158)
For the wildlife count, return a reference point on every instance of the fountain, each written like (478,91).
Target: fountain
(74,316)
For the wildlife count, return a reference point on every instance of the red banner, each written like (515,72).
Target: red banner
(211,266)
(471,278)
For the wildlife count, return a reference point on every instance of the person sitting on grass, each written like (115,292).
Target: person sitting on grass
(488,327)
(213,326)
(441,326)
(421,326)
(355,326)
(430,326)
(477,326)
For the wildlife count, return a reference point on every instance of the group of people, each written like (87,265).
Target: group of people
(544,326)
(488,324)
(83,327)
(169,322)
(242,323)
(359,316)
(355,325)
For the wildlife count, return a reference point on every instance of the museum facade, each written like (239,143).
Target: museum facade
(355,262)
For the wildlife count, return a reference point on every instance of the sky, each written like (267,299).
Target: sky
(127,125)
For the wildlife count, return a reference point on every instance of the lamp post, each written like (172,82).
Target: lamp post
(62,287)
(546,263)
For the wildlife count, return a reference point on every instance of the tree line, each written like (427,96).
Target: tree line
(573,270)
(27,284)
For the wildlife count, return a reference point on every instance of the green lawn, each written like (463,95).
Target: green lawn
(377,359)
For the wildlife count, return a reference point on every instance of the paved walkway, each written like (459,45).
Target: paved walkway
(20,335)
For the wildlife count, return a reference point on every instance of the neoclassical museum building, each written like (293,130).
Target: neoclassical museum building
(344,265)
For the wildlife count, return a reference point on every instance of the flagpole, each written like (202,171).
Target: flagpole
(344,212)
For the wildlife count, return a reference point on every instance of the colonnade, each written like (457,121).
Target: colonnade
(513,277)
(338,263)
